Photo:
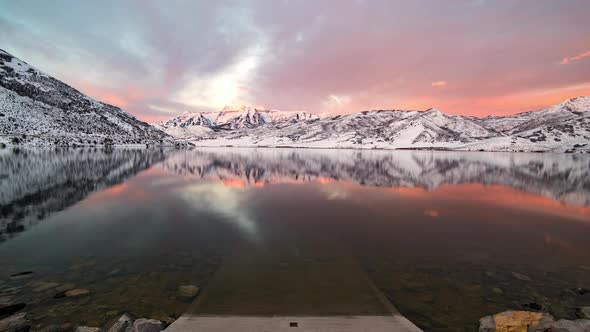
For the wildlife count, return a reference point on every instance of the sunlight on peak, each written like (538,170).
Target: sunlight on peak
(334,101)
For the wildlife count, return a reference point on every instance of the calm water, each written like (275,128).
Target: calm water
(446,237)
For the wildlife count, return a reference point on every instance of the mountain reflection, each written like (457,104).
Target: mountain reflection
(561,177)
(34,184)
(37,183)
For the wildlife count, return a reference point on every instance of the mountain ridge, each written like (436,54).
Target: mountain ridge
(564,127)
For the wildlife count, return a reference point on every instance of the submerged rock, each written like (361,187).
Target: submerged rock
(72,293)
(65,327)
(583,312)
(65,287)
(497,290)
(88,329)
(188,291)
(513,321)
(15,323)
(563,325)
(147,325)
(520,276)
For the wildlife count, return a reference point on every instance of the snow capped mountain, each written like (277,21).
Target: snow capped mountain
(561,128)
(564,127)
(37,109)
(190,125)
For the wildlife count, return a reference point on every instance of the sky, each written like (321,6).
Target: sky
(157,59)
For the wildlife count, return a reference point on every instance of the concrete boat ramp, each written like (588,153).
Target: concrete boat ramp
(261,292)
(391,323)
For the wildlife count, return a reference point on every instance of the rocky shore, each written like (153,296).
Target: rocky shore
(15,318)
(18,321)
(531,321)
(125,323)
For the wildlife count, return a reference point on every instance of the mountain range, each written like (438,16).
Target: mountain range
(564,127)
(39,110)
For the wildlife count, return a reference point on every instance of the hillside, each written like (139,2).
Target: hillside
(37,109)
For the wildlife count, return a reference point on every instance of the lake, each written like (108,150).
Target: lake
(446,237)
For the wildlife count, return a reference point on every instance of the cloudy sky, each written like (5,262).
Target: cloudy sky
(156,59)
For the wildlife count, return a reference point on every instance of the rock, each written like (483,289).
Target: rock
(512,321)
(66,327)
(124,322)
(88,329)
(497,290)
(147,325)
(9,309)
(65,287)
(583,312)
(188,291)
(521,276)
(487,324)
(42,286)
(15,323)
(72,293)
(76,292)
(563,325)
(20,275)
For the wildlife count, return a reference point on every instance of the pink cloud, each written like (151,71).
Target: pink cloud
(565,61)
(439,83)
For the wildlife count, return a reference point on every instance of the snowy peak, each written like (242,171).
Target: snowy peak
(231,118)
(576,105)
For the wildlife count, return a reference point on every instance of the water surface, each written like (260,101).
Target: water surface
(446,237)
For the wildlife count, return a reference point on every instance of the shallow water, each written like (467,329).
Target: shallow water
(447,237)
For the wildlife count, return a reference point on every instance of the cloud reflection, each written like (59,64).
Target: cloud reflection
(222,200)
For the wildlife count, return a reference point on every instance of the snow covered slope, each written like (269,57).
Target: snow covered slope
(36,109)
(559,128)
